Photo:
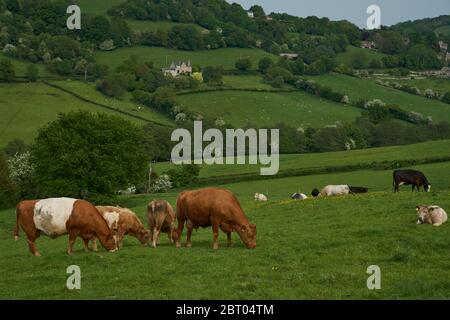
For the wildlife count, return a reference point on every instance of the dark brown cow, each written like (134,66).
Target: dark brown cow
(58,216)
(410,177)
(214,207)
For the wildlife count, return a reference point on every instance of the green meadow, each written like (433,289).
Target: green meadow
(241,108)
(358,89)
(162,57)
(440,85)
(312,249)
(346,57)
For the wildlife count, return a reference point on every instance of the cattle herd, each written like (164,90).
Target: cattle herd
(208,207)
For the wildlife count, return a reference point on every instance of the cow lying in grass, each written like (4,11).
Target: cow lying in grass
(161,218)
(260,197)
(123,222)
(434,215)
(214,207)
(335,190)
(58,216)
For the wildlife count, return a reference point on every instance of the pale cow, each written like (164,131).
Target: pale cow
(161,218)
(335,190)
(260,197)
(434,215)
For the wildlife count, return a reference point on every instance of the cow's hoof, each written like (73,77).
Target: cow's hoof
(37,254)
(215,246)
(16,238)
(189,245)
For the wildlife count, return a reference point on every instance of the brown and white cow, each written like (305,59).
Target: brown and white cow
(161,218)
(58,216)
(434,215)
(214,207)
(123,221)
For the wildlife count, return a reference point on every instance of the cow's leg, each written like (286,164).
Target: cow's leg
(157,230)
(85,244)
(31,238)
(215,227)
(94,244)
(189,227)
(73,233)
(180,228)
(229,241)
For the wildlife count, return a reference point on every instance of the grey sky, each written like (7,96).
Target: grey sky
(392,11)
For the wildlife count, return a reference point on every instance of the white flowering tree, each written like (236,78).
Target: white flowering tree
(161,184)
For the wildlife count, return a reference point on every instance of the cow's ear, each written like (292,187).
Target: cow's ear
(430,208)
(417,208)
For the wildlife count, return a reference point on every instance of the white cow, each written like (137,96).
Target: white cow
(335,190)
(434,215)
(260,197)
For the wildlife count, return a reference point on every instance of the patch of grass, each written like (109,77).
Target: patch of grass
(358,89)
(162,57)
(88,91)
(20,67)
(443,30)
(346,57)
(246,82)
(440,85)
(289,162)
(298,109)
(26,107)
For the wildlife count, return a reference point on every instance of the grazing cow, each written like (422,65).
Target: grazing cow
(315,192)
(299,196)
(335,190)
(58,216)
(410,177)
(123,221)
(214,207)
(434,215)
(161,218)
(260,197)
(358,189)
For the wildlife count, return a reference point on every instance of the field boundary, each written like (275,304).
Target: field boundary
(104,105)
(205,90)
(375,165)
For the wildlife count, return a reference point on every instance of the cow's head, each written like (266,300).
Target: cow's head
(247,233)
(422,214)
(174,235)
(144,236)
(427,187)
(110,242)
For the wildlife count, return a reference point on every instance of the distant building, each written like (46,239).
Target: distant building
(251,14)
(269,18)
(443,73)
(289,56)
(443,46)
(368,45)
(178,68)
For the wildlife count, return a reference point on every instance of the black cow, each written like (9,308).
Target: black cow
(358,189)
(410,177)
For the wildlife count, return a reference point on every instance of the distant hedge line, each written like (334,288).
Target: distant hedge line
(375,165)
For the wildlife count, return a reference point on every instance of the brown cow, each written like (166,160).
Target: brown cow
(58,216)
(214,207)
(123,221)
(161,218)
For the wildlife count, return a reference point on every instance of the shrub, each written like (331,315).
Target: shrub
(161,184)
(7,187)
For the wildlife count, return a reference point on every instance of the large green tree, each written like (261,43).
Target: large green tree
(7,72)
(88,156)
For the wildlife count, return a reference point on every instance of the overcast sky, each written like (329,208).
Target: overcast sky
(392,11)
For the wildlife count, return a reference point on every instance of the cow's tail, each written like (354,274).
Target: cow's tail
(16,228)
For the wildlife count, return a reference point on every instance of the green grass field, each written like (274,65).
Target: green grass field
(163,57)
(288,162)
(298,109)
(246,82)
(440,85)
(26,107)
(443,30)
(313,249)
(358,89)
(88,91)
(20,67)
(346,57)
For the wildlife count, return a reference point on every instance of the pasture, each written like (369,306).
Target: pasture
(20,67)
(311,161)
(27,106)
(443,30)
(162,57)
(346,57)
(440,85)
(268,108)
(312,249)
(358,89)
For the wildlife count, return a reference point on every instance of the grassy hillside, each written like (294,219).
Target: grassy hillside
(345,57)
(88,91)
(20,67)
(440,85)
(288,162)
(139,25)
(314,249)
(97,6)
(357,89)
(443,30)
(26,107)
(264,109)
(162,56)
(246,82)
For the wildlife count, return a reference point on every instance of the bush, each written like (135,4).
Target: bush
(85,155)
(161,184)
(7,187)
(164,99)
(32,73)
(264,65)
(7,72)
(213,75)
(446,97)
(184,175)
(22,174)
(243,64)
